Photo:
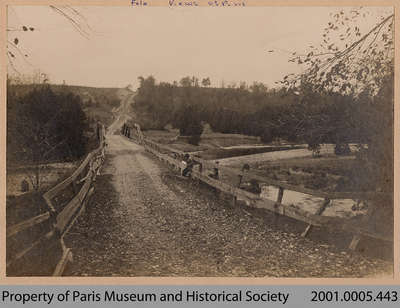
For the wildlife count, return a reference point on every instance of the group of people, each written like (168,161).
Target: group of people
(252,186)
(190,163)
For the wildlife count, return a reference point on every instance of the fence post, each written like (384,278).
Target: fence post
(357,237)
(234,199)
(277,203)
(318,212)
(216,177)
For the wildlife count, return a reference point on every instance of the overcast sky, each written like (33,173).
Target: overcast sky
(229,44)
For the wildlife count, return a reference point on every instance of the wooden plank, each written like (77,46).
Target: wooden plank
(357,237)
(62,264)
(84,189)
(64,217)
(354,242)
(374,235)
(66,214)
(278,202)
(56,189)
(319,212)
(82,208)
(12,230)
(61,186)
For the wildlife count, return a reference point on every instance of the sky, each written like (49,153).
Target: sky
(229,45)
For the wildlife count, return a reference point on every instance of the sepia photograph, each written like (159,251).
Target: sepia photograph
(188,140)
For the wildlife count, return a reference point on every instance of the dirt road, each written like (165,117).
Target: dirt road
(145,221)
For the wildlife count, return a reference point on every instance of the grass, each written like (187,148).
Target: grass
(225,153)
(329,174)
(20,208)
(208,141)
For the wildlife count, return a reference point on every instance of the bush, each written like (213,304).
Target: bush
(194,139)
(44,126)
(342,149)
(266,136)
(188,120)
(315,148)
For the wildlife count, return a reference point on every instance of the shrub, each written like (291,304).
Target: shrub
(315,148)
(342,149)
(188,120)
(266,136)
(194,139)
(44,126)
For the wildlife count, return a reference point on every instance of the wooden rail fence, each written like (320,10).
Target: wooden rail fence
(202,169)
(42,236)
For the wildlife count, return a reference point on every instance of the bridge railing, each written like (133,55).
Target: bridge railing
(42,237)
(205,171)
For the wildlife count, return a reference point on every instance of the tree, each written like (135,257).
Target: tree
(44,126)
(187,119)
(186,81)
(355,68)
(206,82)
(348,61)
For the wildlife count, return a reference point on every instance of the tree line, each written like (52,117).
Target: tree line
(296,116)
(44,126)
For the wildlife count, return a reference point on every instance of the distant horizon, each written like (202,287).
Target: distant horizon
(157,82)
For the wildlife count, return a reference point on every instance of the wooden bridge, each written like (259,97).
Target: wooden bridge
(203,168)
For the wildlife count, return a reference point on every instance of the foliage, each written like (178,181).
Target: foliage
(348,61)
(44,126)
(189,124)
(342,149)
(355,68)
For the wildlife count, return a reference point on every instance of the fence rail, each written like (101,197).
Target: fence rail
(49,228)
(174,157)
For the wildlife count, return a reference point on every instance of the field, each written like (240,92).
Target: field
(329,173)
(221,153)
(208,140)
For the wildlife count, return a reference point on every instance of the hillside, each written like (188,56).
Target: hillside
(98,103)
